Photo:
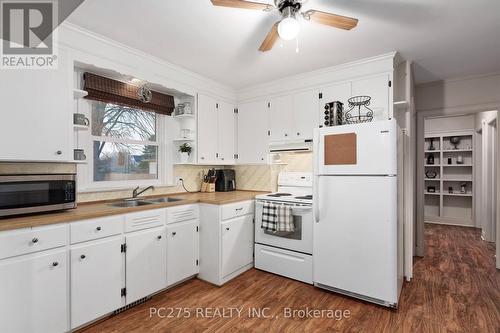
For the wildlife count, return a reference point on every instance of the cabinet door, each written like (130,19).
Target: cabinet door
(237,244)
(253,129)
(305,114)
(36,106)
(226,133)
(146,263)
(34,293)
(377,87)
(207,130)
(96,280)
(337,92)
(281,118)
(182,251)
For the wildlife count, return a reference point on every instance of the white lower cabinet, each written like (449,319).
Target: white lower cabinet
(182,251)
(146,263)
(226,241)
(96,279)
(34,293)
(237,243)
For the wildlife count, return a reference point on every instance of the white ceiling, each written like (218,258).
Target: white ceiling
(444,38)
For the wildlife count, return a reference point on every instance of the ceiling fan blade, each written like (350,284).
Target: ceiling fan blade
(242,4)
(271,38)
(333,20)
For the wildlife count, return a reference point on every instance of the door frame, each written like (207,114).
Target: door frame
(443,112)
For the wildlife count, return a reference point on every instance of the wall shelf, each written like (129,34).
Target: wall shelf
(81,127)
(78,93)
(183,139)
(184,116)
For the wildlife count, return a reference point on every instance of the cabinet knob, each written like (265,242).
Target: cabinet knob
(174,233)
(298,134)
(227,228)
(262,159)
(83,256)
(59,152)
(98,228)
(238,209)
(159,237)
(202,158)
(55,263)
(35,240)
(286,134)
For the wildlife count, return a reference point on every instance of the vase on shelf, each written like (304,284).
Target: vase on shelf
(184,157)
(431,146)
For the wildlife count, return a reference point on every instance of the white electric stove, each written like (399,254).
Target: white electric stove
(287,253)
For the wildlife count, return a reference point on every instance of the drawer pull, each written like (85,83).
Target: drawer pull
(35,240)
(83,256)
(159,237)
(55,263)
(238,209)
(98,228)
(174,233)
(227,228)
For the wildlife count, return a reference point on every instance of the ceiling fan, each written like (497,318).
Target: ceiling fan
(289,27)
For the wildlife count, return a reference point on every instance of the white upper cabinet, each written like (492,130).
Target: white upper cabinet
(305,115)
(36,113)
(377,87)
(293,117)
(253,127)
(281,120)
(207,129)
(216,131)
(226,132)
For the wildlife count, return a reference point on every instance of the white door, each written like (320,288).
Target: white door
(377,87)
(337,92)
(355,235)
(182,251)
(305,115)
(237,243)
(207,129)
(253,136)
(374,146)
(281,122)
(226,133)
(34,293)
(37,107)
(96,279)
(146,263)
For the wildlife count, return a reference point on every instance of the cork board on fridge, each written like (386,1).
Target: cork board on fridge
(340,149)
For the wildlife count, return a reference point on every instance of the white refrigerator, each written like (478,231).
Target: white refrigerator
(357,241)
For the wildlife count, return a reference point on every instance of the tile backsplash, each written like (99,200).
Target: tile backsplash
(248,177)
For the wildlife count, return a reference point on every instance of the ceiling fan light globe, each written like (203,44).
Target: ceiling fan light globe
(288,28)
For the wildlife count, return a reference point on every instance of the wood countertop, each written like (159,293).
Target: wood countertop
(102,209)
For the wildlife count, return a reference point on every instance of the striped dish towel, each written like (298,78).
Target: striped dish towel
(269,217)
(284,220)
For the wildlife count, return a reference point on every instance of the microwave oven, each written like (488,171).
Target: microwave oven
(26,194)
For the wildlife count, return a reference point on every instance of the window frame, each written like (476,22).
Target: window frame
(86,182)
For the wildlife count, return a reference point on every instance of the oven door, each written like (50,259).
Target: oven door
(23,194)
(300,240)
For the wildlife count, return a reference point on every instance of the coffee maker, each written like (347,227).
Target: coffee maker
(226,180)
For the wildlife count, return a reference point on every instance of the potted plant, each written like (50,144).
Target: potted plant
(184,151)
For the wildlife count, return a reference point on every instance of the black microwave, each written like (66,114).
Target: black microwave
(26,194)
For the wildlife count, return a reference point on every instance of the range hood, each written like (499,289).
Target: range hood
(297,146)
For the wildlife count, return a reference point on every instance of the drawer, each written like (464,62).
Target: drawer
(182,213)
(97,228)
(29,240)
(144,220)
(237,209)
(290,264)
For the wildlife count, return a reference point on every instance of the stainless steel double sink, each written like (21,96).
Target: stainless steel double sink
(127,203)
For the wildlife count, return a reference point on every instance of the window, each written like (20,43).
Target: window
(125,143)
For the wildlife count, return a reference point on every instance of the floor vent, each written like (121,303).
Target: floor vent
(131,305)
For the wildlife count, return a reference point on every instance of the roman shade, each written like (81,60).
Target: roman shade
(107,90)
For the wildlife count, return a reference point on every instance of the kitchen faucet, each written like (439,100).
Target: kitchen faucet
(136,191)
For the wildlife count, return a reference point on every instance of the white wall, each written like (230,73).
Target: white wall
(452,97)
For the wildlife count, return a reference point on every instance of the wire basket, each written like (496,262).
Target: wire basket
(359,111)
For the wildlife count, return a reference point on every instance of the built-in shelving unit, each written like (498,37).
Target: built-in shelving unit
(184,128)
(453,163)
(78,94)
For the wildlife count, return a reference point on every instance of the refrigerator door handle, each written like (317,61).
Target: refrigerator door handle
(316,198)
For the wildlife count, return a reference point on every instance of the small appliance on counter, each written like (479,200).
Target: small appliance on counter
(225,180)
(25,194)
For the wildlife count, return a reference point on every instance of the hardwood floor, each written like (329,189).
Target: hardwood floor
(455,288)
